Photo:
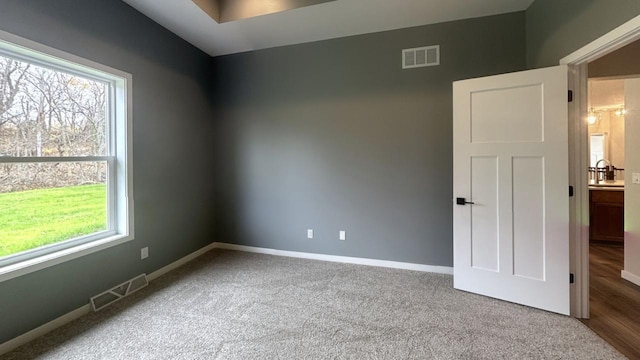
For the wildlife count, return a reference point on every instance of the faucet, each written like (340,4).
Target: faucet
(607,174)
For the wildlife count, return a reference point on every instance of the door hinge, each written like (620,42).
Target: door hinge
(571,279)
(570,191)
(570,95)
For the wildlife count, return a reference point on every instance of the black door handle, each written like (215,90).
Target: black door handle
(463,201)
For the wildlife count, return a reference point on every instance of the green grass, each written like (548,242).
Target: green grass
(33,218)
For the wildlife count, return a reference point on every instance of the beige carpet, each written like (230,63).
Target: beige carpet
(234,305)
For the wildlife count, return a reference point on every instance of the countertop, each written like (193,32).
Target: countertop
(607,185)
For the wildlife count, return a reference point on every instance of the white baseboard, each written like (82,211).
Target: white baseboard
(630,277)
(339,259)
(176,264)
(43,329)
(85,309)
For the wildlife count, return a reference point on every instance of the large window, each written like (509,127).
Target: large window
(65,169)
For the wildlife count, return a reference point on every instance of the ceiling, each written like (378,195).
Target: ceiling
(312,23)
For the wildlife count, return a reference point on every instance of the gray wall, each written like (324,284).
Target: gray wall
(330,135)
(556,28)
(172,118)
(334,135)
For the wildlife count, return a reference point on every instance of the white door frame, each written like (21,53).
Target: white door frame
(579,158)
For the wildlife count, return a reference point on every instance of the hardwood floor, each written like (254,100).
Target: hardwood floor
(615,302)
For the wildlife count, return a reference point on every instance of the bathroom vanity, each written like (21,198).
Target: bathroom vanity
(606,211)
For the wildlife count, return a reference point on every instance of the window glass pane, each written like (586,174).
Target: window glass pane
(45,112)
(47,203)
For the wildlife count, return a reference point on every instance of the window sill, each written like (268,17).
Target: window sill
(58,257)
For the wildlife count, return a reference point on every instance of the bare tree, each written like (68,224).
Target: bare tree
(50,113)
(12,73)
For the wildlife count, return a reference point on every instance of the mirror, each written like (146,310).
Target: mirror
(597,146)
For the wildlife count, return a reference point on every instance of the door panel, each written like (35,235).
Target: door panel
(520,119)
(511,162)
(528,217)
(484,228)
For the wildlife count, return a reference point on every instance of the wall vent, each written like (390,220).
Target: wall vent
(112,295)
(422,56)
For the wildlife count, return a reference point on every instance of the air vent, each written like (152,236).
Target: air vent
(125,289)
(422,56)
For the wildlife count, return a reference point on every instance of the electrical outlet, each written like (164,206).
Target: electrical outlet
(343,235)
(635,178)
(309,233)
(144,253)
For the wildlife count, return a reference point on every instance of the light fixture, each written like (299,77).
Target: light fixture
(592,117)
(621,112)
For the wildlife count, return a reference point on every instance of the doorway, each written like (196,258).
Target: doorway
(614,302)
(608,304)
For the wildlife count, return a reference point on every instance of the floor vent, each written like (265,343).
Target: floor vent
(422,56)
(112,295)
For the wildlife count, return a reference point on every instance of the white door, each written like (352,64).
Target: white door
(510,150)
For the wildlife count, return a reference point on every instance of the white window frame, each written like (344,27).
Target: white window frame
(120,173)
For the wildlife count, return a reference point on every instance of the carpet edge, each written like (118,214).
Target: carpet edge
(339,259)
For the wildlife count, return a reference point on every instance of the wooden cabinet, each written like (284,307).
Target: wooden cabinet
(606,215)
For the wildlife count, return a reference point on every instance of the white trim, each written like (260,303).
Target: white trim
(635,279)
(579,213)
(579,239)
(609,42)
(44,329)
(48,159)
(176,264)
(581,162)
(302,255)
(120,183)
(41,262)
(339,259)
(20,45)
(86,309)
